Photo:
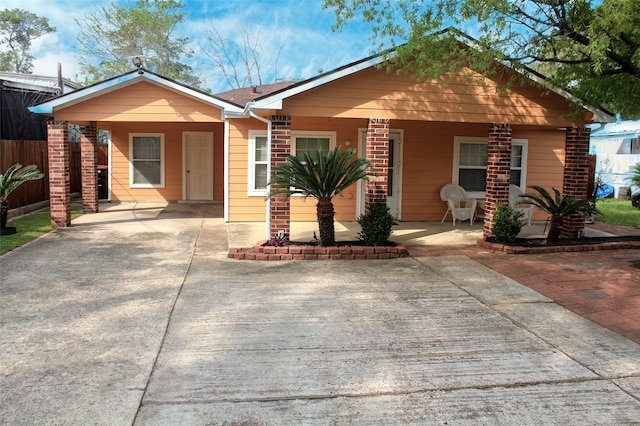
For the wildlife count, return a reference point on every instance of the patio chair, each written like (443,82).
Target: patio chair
(458,203)
(514,201)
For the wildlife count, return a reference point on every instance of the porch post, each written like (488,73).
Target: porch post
(377,152)
(89,159)
(280,206)
(59,185)
(576,175)
(498,172)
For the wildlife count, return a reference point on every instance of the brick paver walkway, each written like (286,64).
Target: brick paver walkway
(603,286)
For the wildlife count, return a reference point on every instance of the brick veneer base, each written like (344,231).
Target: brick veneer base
(302,252)
(556,249)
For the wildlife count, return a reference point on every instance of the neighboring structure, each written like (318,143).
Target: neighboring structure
(617,148)
(20,91)
(172,142)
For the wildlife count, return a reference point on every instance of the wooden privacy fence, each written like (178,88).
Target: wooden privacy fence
(35,152)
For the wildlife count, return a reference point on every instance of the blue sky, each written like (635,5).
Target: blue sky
(302,29)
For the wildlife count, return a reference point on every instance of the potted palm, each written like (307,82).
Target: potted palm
(321,178)
(558,207)
(12,178)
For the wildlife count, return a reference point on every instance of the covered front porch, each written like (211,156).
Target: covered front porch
(408,234)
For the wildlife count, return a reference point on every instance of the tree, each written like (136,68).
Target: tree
(321,178)
(241,61)
(111,36)
(18,28)
(590,50)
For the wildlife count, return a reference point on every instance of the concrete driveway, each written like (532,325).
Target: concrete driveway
(136,316)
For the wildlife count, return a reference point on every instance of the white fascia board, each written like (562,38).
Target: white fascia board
(83,94)
(275,101)
(124,81)
(599,116)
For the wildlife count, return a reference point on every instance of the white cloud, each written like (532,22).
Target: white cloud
(301,29)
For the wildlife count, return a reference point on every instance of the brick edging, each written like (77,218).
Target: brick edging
(302,252)
(616,245)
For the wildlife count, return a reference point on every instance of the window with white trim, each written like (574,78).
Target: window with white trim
(470,164)
(258,163)
(146,160)
(309,142)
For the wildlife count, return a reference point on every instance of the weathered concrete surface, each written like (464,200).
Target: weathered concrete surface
(141,318)
(83,312)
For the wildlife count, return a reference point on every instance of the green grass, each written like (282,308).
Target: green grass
(30,227)
(618,212)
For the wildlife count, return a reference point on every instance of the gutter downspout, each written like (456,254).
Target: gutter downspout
(226,171)
(252,114)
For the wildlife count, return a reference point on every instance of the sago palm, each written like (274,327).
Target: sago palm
(634,178)
(634,181)
(322,178)
(558,207)
(12,178)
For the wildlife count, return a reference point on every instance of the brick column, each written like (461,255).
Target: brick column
(377,152)
(89,171)
(59,187)
(576,175)
(280,206)
(498,172)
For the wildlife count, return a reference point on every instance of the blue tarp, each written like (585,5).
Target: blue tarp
(604,191)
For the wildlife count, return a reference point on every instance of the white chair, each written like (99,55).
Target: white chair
(514,201)
(458,203)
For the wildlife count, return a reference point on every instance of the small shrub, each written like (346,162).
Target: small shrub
(277,241)
(376,225)
(507,224)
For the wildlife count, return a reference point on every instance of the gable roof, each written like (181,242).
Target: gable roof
(275,99)
(245,95)
(128,79)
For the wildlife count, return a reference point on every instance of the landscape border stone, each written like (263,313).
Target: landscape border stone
(305,252)
(510,249)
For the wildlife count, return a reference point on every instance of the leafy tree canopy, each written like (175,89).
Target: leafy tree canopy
(17,29)
(112,35)
(587,47)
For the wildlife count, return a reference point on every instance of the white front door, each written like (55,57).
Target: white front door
(394,189)
(198,165)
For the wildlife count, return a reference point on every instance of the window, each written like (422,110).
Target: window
(470,163)
(258,160)
(472,174)
(147,160)
(309,142)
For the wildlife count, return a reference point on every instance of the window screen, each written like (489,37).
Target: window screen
(310,145)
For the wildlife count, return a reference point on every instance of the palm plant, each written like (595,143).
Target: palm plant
(12,178)
(634,177)
(558,207)
(634,181)
(321,178)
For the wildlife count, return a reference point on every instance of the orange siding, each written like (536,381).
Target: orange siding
(545,160)
(143,102)
(120,185)
(243,208)
(427,165)
(376,93)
